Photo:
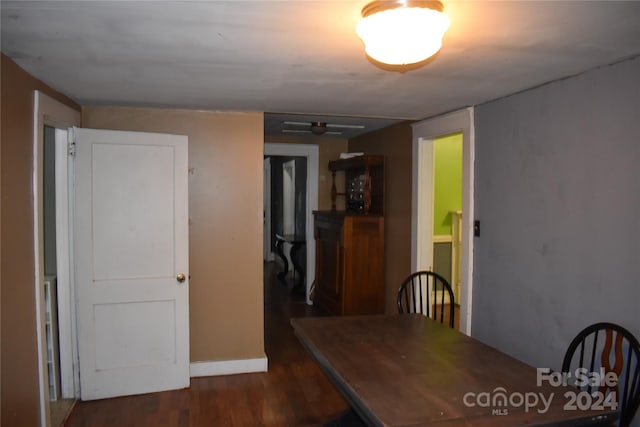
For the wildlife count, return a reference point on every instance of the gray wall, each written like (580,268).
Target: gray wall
(558,194)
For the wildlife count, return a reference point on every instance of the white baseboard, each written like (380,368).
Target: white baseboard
(228,367)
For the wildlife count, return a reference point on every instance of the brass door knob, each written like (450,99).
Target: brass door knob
(181,277)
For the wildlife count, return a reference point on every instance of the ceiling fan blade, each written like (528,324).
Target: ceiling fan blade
(329,125)
(335,125)
(330,132)
(297,123)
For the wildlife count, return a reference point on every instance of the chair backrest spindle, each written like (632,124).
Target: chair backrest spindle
(619,354)
(414,296)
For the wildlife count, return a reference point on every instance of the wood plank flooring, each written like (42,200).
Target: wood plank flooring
(294,392)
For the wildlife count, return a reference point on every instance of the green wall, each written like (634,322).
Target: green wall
(447,181)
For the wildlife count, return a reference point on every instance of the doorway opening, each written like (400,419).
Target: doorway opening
(286,204)
(302,180)
(57,333)
(442,204)
(55,310)
(444,199)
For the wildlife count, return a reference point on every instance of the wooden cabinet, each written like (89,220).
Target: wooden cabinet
(363,184)
(350,243)
(349,263)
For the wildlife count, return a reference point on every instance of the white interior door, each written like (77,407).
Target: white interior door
(289,197)
(425,193)
(288,203)
(131,262)
(266,201)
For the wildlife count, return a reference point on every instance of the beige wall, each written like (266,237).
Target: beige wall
(395,144)
(20,401)
(225,202)
(225,210)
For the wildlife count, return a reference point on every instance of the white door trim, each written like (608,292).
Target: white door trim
(458,121)
(311,152)
(69,374)
(46,111)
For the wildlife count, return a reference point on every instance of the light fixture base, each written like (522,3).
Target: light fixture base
(382,5)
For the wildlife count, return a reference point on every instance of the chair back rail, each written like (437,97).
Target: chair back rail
(612,348)
(428,293)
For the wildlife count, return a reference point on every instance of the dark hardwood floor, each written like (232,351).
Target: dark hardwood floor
(294,392)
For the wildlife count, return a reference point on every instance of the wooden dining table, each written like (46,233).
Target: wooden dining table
(408,370)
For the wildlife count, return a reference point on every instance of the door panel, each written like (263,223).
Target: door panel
(132,242)
(129,241)
(143,328)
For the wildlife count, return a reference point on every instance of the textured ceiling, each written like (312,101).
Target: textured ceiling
(304,57)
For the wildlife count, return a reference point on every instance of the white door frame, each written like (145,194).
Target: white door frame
(69,362)
(424,132)
(46,111)
(311,152)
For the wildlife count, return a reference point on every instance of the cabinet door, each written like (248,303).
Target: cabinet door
(329,266)
(363,238)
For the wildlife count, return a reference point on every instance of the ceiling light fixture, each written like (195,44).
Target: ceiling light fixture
(402,32)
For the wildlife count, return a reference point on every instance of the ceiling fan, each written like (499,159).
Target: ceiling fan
(318,128)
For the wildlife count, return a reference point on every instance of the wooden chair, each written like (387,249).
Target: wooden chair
(428,293)
(612,347)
